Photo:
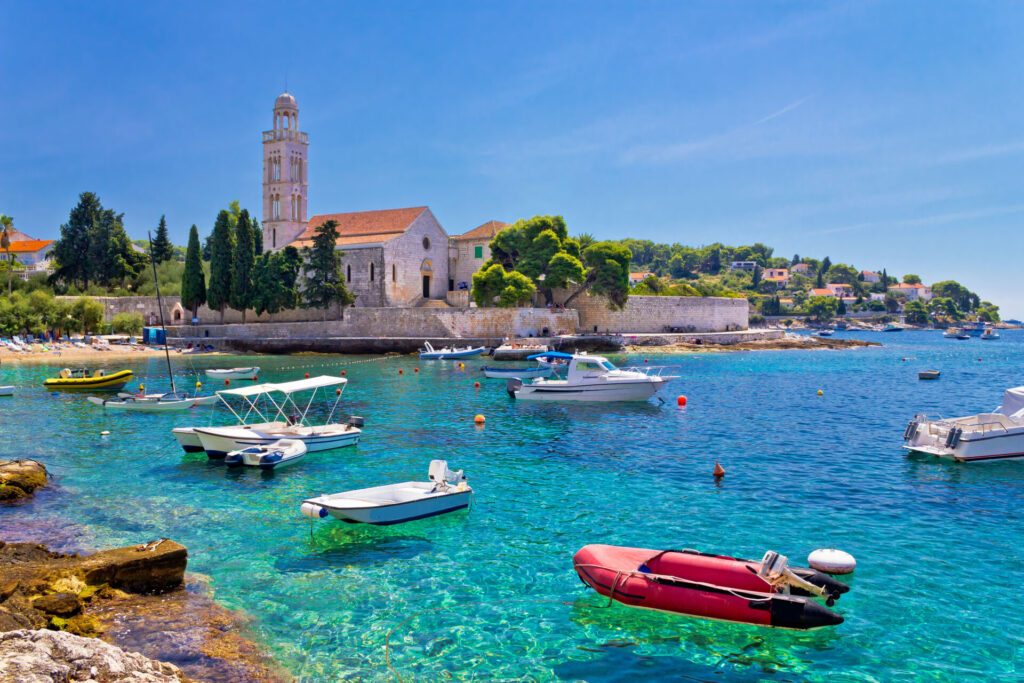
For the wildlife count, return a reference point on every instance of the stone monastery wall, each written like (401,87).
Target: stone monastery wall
(647,314)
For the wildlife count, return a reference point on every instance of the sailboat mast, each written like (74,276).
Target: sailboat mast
(160,307)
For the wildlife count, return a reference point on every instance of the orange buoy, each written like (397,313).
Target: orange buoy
(337,392)
(344,372)
(479,419)
(307,375)
(719,471)
(227,382)
(680,400)
(415,369)
(401,371)
(476,385)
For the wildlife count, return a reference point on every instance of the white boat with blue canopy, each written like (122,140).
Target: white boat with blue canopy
(592,378)
(285,418)
(449,352)
(544,368)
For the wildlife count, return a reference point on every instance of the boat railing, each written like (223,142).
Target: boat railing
(651,370)
(962,423)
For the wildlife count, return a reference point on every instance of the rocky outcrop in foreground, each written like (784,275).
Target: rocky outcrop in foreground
(42,656)
(19,479)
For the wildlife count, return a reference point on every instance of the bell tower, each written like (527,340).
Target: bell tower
(285,180)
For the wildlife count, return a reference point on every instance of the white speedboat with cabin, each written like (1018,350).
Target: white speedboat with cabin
(271,456)
(449,352)
(592,378)
(252,372)
(219,441)
(446,491)
(990,334)
(998,435)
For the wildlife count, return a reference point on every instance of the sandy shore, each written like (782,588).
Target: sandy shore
(77,355)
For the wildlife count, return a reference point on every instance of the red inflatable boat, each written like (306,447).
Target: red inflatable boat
(766,593)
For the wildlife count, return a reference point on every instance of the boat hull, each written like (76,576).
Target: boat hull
(518,373)
(218,442)
(112,382)
(234,373)
(188,439)
(143,405)
(449,355)
(7,391)
(931,438)
(696,585)
(619,391)
(287,452)
(355,511)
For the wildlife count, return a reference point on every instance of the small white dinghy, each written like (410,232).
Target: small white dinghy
(272,456)
(446,491)
(234,373)
(7,390)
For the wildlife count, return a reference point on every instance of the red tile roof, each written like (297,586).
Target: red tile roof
(485,231)
(824,291)
(363,226)
(29,246)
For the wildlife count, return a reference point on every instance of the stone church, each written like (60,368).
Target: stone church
(392,257)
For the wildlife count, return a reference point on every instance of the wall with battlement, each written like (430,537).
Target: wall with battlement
(662,314)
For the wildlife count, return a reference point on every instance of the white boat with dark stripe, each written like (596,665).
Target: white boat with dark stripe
(592,378)
(284,419)
(998,435)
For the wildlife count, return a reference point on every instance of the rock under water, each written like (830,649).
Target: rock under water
(20,478)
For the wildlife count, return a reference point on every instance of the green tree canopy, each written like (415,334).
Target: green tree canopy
(193,279)
(912,279)
(162,249)
(822,308)
(222,248)
(87,314)
(242,266)
(916,312)
(275,281)
(324,285)
(540,248)
(842,273)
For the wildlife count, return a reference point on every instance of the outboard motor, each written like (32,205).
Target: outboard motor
(356,421)
(775,570)
(911,431)
(443,477)
(512,386)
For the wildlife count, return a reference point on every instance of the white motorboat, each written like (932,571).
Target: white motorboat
(987,436)
(952,333)
(219,441)
(234,373)
(592,378)
(824,332)
(511,350)
(7,390)
(190,443)
(199,400)
(989,334)
(446,491)
(448,352)
(271,456)
(160,403)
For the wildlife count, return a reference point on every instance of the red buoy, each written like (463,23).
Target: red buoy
(719,471)
(227,382)
(476,385)
(681,401)
(344,372)
(307,375)
(401,371)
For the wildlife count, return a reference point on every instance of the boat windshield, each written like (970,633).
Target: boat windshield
(606,365)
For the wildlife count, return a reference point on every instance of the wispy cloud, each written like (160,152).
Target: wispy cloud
(668,153)
(928,221)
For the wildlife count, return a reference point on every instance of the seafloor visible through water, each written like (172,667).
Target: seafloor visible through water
(490,594)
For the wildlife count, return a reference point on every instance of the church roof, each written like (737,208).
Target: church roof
(485,231)
(18,236)
(360,227)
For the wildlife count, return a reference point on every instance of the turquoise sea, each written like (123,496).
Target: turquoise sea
(489,593)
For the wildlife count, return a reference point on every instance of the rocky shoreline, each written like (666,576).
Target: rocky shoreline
(128,613)
(791,342)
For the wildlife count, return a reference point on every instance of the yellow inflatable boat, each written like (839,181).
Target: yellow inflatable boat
(81,380)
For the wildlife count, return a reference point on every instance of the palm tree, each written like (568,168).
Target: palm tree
(585,239)
(7,228)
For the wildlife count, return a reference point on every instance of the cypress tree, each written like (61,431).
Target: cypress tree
(193,279)
(222,247)
(242,267)
(257,236)
(324,284)
(162,248)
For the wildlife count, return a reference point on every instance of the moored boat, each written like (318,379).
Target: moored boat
(688,582)
(234,373)
(7,390)
(162,403)
(892,327)
(430,353)
(989,334)
(592,378)
(270,456)
(928,374)
(998,435)
(81,380)
(446,491)
(190,443)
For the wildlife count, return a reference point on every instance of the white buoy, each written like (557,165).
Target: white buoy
(104,433)
(313,511)
(832,561)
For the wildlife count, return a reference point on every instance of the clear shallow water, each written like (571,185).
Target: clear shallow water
(490,594)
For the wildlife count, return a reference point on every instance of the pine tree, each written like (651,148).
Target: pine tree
(71,250)
(193,280)
(324,285)
(162,248)
(242,265)
(222,247)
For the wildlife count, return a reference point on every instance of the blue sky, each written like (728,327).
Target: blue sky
(881,134)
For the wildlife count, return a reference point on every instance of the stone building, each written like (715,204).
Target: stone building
(469,251)
(394,257)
